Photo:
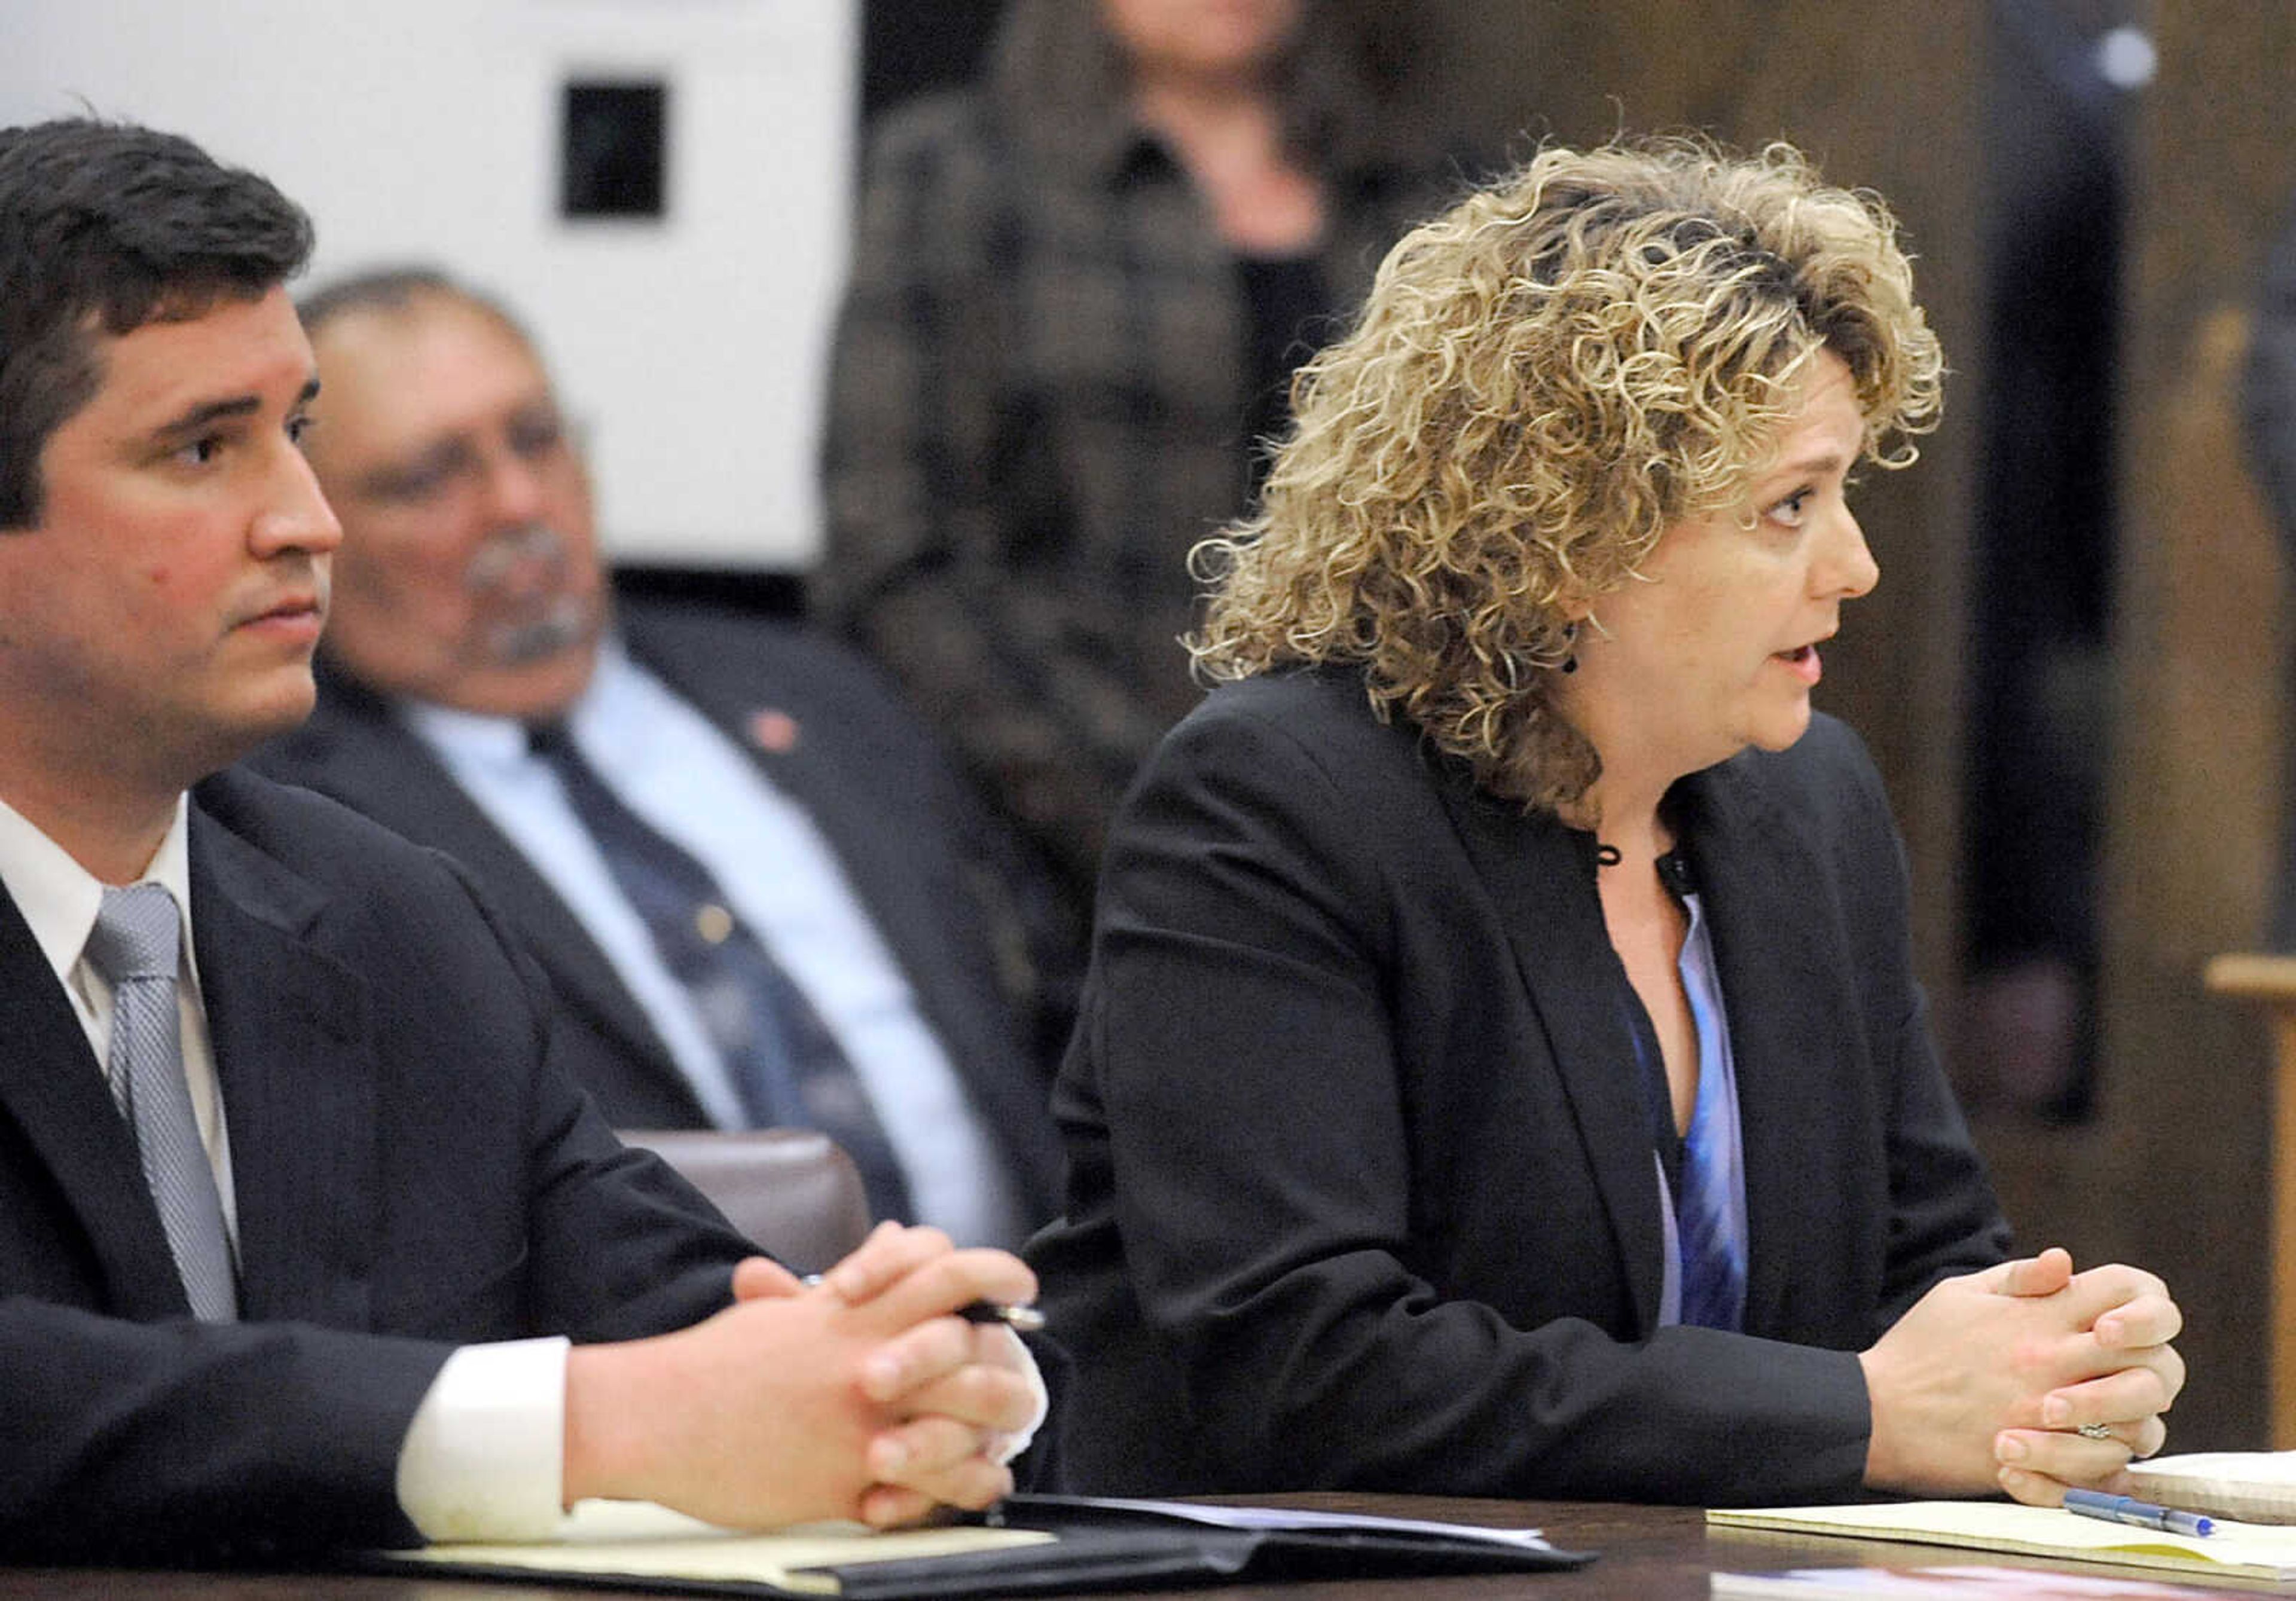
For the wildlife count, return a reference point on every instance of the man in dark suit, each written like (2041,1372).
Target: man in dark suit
(297,1207)
(471,607)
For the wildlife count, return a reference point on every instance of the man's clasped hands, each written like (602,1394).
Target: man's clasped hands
(859,1395)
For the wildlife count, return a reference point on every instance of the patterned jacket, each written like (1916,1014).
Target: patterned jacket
(1037,402)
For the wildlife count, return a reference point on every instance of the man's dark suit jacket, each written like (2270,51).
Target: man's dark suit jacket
(1362,1190)
(413,1172)
(944,887)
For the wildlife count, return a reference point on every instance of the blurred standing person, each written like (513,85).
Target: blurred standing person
(2058,99)
(2268,408)
(1078,291)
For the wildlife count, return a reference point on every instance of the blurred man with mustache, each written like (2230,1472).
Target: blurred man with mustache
(482,692)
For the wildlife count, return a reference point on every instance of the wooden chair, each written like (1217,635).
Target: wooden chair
(792,1190)
(2270,982)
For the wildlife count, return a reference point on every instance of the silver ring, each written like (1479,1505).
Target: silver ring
(2094,1431)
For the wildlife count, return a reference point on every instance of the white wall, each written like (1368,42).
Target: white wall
(692,350)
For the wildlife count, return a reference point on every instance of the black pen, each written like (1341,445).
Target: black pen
(1025,1319)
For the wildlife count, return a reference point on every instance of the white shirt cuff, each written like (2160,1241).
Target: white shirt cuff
(484,1458)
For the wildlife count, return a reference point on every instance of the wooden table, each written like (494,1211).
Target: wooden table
(1647,1553)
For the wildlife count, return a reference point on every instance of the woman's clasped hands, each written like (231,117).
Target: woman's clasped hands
(2027,1378)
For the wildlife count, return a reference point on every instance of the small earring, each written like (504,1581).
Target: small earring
(1570,639)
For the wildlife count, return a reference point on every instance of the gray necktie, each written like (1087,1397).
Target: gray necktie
(134,949)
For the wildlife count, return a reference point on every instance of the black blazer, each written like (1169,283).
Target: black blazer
(413,1172)
(963,913)
(1362,1192)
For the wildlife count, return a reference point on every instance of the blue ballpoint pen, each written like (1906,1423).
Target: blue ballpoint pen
(2140,1514)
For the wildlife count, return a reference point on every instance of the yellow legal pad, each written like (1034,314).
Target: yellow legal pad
(2243,1550)
(642,1542)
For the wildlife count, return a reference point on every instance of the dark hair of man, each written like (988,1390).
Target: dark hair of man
(103,227)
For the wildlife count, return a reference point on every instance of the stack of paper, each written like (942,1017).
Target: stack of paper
(2255,1486)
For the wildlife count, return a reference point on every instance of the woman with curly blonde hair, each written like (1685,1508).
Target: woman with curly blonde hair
(1502,1071)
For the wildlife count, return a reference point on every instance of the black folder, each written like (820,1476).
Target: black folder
(1101,1544)
(1104,1544)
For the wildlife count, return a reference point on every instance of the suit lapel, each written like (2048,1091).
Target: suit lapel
(399,782)
(1542,881)
(901,901)
(908,886)
(907,905)
(295,1061)
(51,1085)
(1783,987)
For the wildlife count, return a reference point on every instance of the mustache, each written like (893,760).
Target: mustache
(516,560)
(566,625)
(525,580)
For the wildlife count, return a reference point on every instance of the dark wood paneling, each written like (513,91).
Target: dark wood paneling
(2177,1170)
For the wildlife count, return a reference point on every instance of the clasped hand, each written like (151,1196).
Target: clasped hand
(863,1396)
(1985,1382)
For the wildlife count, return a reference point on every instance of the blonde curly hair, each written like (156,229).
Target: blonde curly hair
(1544,379)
